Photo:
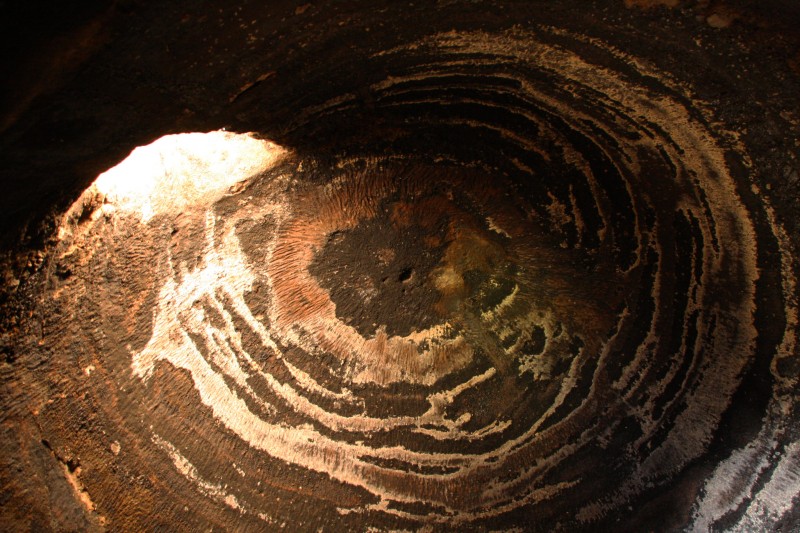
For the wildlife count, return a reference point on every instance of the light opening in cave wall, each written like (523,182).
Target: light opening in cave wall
(183,170)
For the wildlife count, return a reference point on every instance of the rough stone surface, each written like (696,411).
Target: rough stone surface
(524,266)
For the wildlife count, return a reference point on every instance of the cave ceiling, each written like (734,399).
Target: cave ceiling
(453,265)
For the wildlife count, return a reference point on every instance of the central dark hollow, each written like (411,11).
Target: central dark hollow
(405,275)
(378,274)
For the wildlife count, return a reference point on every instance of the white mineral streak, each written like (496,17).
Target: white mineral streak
(310,384)
(214,491)
(559,217)
(439,402)
(177,314)
(188,470)
(536,364)
(733,481)
(696,291)
(580,226)
(492,314)
(776,498)
(789,343)
(497,229)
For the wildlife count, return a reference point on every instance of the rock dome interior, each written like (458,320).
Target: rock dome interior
(453,265)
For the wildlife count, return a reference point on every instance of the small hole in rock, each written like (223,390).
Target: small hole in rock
(405,275)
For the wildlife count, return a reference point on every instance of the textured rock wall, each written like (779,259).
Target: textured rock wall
(475,266)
